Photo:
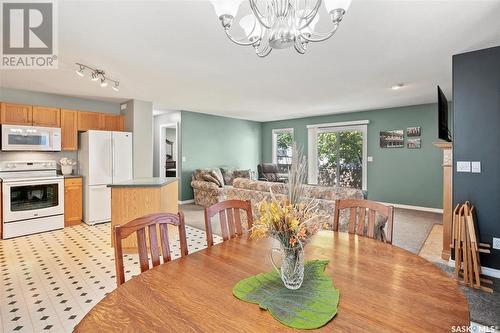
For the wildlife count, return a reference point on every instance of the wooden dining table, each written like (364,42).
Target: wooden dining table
(383,288)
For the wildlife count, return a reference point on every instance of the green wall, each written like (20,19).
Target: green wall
(211,141)
(398,175)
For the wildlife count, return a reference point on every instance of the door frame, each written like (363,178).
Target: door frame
(312,144)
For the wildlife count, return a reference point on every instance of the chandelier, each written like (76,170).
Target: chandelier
(280,24)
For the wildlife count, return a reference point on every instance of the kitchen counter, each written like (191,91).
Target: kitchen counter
(145,182)
(72,176)
(138,197)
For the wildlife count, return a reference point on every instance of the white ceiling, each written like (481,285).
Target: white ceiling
(175,54)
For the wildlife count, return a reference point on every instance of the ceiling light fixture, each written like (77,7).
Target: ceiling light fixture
(97,75)
(280,24)
(397,86)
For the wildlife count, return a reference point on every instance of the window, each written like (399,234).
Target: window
(282,148)
(337,154)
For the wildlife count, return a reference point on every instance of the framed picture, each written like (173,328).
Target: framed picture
(414,143)
(413,131)
(392,139)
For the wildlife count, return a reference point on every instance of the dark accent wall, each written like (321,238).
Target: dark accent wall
(476,102)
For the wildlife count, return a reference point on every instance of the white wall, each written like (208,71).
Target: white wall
(139,121)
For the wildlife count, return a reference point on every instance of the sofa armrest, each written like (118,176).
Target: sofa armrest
(205,186)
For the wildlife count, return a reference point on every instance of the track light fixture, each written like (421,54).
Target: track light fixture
(96,75)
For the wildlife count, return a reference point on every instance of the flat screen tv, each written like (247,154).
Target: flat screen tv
(443,130)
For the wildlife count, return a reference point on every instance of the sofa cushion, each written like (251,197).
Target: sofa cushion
(263,186)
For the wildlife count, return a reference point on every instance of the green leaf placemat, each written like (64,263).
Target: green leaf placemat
(311,306)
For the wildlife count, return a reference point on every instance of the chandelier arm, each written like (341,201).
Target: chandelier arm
(263,53)
(321,36)
(258,14)
(241,41)
(299,47)
(312,14)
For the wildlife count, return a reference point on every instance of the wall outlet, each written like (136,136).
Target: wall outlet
(476,167)
(463,166)
(496,243)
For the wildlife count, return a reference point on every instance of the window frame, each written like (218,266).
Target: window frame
(274,140)
(312,144)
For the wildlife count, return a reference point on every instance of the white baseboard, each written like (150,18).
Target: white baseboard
(422,209)
(185,202)
(484,270)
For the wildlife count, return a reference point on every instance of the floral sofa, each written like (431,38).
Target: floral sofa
(323,196)
(207,193)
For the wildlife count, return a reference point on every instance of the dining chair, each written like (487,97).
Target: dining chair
(360,210)
(139,226)
(229,212)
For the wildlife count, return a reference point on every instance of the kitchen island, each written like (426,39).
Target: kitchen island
(138,197)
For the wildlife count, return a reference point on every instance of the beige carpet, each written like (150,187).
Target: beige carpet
(410,227)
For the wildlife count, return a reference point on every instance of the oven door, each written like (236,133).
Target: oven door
(24,200)
(29,138)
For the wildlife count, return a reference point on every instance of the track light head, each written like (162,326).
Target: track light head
(115,87)
(94,76)
(79,72)
(104,83)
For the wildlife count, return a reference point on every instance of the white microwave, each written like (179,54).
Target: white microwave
(30,138)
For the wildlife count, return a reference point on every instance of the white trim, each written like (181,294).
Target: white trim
(274,140)
(312,138)
(419,208)
(185,202)
(343,123)
(484,270)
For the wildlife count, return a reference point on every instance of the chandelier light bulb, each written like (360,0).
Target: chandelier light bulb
(250,26)
(226,7)
(332,5)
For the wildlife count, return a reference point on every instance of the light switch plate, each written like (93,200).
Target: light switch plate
(183,158)
(370,159)
(476,167)
(463,166)
(496,243)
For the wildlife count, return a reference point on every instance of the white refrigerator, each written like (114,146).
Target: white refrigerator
(105,158)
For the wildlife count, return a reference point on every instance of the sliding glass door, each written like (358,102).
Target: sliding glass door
(338,156)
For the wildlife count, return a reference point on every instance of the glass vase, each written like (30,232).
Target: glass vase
(292,265)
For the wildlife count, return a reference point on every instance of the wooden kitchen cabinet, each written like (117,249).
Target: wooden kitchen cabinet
(69,129)
(16,114)
(90,121)
(46,117)
(114,122)
(73,196)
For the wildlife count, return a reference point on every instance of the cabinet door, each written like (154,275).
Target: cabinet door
(47,117)
(16,114)
(90,121)
(113,122)
(69,129)
(73,196)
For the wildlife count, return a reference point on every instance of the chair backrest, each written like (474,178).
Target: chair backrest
(230,218)
(268,171)
(360,210)
(139,226)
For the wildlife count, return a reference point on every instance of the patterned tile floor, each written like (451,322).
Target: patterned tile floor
(49,281)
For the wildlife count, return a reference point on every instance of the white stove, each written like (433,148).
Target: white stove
(32,197)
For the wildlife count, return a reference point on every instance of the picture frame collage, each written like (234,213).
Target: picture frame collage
(395,138)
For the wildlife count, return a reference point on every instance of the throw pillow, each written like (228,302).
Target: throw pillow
(228,175)
(242,173)
(218,175)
